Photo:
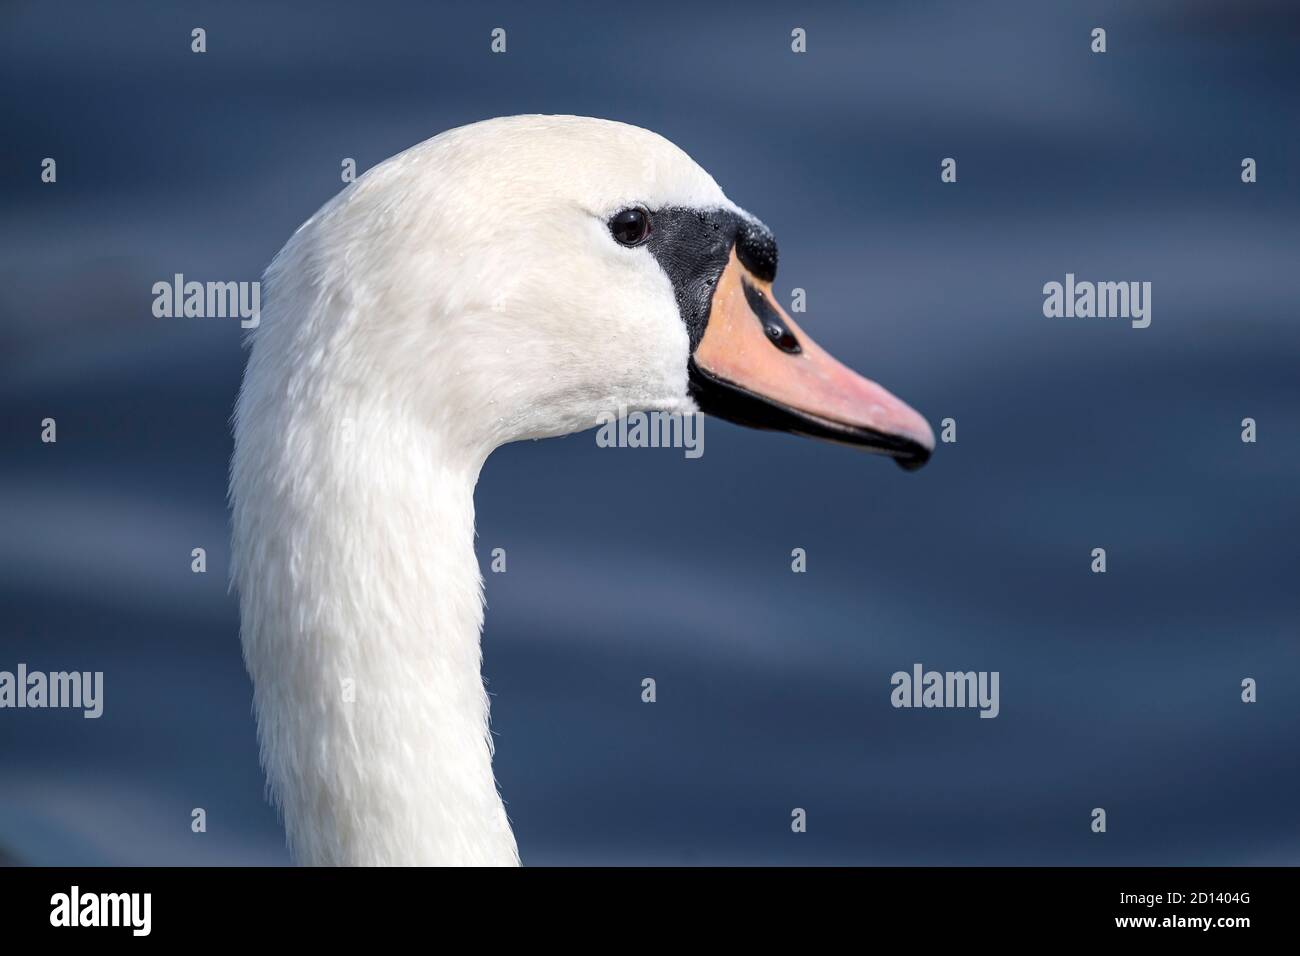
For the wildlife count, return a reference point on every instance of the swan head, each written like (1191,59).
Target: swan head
(531,276)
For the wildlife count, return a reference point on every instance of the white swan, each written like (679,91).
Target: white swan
(517,278)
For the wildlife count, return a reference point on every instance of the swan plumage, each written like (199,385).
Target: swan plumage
(461,295)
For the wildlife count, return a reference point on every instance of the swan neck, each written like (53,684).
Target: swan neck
(362,613)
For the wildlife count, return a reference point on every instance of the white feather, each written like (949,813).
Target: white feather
(459,296)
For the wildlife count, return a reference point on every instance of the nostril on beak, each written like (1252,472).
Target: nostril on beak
(774,327)
(756,249)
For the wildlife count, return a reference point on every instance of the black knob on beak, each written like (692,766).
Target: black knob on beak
(756,249)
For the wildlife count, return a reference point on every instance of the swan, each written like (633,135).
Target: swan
(513,279)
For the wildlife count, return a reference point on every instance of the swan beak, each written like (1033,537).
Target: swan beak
(755,366)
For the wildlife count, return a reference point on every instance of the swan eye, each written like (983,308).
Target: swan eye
(631,227)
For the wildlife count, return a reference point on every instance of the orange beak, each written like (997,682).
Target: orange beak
(756,367)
